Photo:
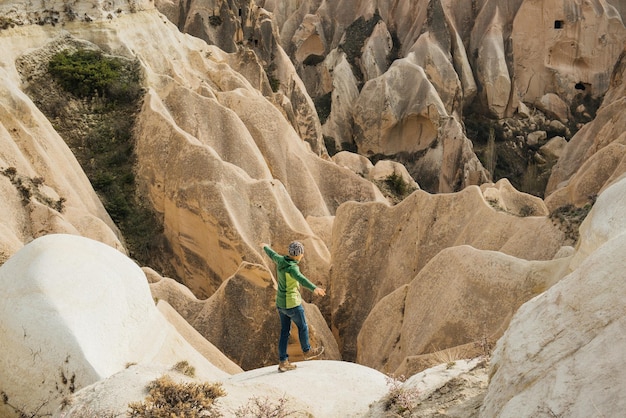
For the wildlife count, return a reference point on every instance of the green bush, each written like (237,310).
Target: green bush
(397,184)
(87,73)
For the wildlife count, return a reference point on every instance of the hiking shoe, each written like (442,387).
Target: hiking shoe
(314,353)
(285,366)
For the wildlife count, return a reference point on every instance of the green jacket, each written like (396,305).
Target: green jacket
(289,280)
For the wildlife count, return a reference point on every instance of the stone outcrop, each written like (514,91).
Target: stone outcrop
(247,31)
(569,53)
(475,57)
(560,352)
(372,257)
(230,152)
(347,390)
(595,156)
(462,296)
(179,153)
(80,312)
(43,189)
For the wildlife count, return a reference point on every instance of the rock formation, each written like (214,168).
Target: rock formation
(559,355)
(241,107)
(594,157)
(463,296)
(372,258)
(80,312)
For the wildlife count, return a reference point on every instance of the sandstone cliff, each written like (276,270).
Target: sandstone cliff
(239,109)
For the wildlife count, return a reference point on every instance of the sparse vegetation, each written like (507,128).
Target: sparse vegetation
(215,20)
(167,399)
(30,188)
(400,400)
(397,184)
(395,188)
(263,407)
(6,23)
(569,218)
(274,82)
(355,36)
(185,368)
(448,356)
(93,105)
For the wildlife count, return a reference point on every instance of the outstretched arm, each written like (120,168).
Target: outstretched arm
(271,253)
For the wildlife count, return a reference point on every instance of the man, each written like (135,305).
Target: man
(289,302)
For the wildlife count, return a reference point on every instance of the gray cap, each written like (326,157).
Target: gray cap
(296,248)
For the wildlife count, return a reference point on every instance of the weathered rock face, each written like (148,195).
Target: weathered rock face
(19,13)
(475,57)
(569,52)
(560,350)
(372,257)
(180,156)
(80,312)
(43,188)
(247,30)
(186,179)
(462,296)
(595,156)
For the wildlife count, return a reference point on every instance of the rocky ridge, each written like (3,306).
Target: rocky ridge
(221,183)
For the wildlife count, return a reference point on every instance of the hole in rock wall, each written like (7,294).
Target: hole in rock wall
(580,86)
(558,24)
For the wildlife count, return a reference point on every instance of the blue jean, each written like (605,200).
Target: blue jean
(297,316)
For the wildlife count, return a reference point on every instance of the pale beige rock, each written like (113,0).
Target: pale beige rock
(428,54)
(64,327)
(357,163)
(523,110)
(240,29)
(553,149)
(196,340)
(596,173)
(372,256)
(166,138)
(322,226)
(347,390)
(593,157)
(344,88)
(388,120)
(535,137)
(503,196)
(462,296)
(309,38)
(576,42)
(561,351)
(491,69)
(451,389)
(553,106)
(386,168)
(111,396)
(59,12)
(604,222)
(375,51)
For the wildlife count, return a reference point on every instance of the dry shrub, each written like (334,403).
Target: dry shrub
(168,399)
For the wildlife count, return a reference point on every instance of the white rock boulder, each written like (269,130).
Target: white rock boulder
(75,311)
(563,351)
